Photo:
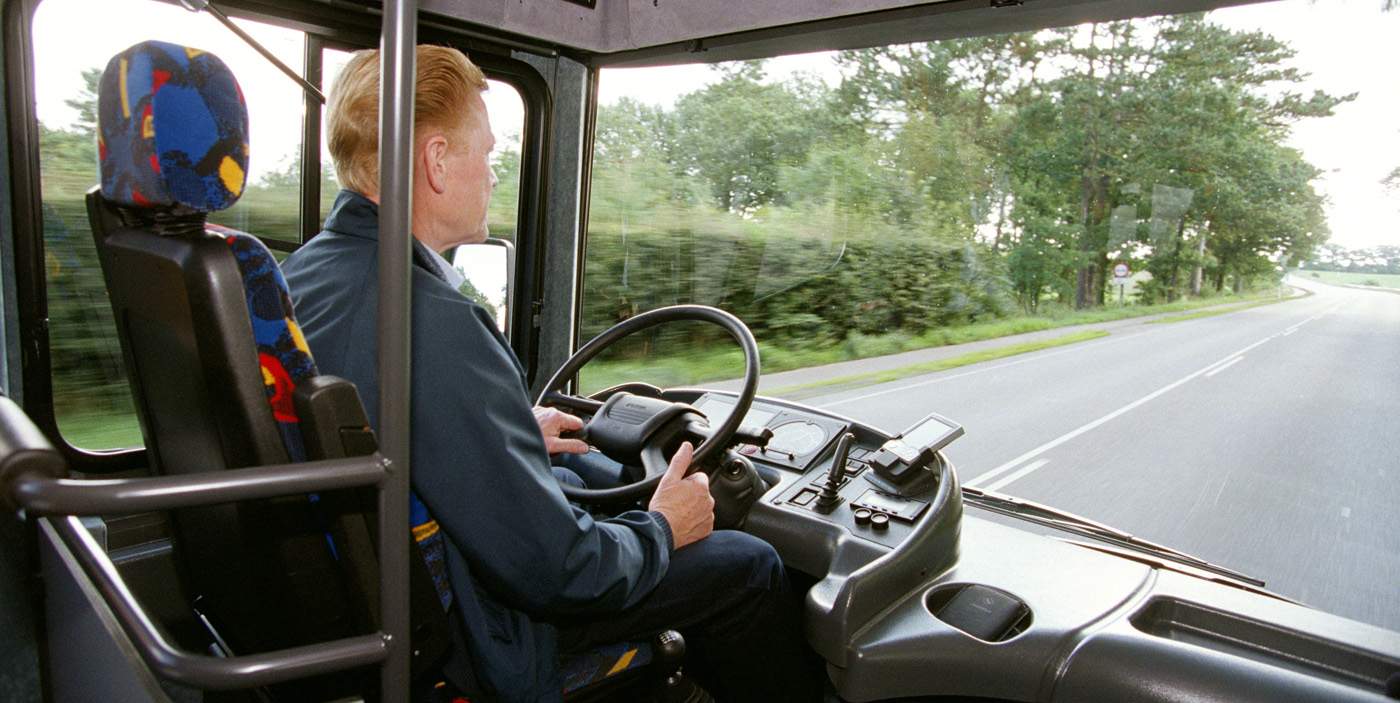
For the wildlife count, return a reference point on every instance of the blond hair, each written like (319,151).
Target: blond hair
(446,79)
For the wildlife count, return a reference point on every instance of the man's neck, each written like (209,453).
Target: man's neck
(417,227)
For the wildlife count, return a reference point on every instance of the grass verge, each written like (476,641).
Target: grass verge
(1379,280)
(870,379)
(1208,313)
(697,366)
(100,429)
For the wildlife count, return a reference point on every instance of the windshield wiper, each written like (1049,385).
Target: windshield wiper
(1085,527)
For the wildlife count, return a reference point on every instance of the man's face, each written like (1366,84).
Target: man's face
(470,176)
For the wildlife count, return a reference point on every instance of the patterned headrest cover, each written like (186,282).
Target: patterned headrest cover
(172,130)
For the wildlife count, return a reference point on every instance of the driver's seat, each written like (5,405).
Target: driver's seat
(222,379)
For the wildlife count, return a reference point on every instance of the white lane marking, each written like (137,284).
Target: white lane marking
(1224,366)
(1008,479)
(1318,316)
(1227,359)
(1126,408)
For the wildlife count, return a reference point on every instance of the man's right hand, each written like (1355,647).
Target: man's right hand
(685,501)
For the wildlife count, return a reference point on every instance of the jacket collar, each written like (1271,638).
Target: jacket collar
(357,216)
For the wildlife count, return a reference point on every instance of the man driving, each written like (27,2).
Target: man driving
(531,575)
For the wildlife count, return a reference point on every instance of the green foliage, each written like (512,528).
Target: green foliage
(939,184)
(737,134)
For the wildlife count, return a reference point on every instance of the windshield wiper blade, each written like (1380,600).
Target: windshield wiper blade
(1076,524)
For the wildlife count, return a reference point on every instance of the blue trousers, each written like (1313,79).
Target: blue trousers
(729,596)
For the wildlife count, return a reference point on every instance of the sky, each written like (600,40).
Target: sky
(1347,46)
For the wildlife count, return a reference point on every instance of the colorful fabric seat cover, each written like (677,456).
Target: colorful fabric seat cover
(172,129)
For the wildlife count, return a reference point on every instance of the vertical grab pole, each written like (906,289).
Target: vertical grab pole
(398,70)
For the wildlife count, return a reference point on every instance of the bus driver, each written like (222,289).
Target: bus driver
(531,575)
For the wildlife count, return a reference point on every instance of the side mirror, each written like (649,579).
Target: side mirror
(489,268)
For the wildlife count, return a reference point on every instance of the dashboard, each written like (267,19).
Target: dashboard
(913,598)
(797,462)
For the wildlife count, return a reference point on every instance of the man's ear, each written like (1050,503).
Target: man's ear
(434,156)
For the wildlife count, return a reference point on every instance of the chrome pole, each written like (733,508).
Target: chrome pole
(398,68)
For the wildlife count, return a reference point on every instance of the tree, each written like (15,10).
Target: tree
(85,102)
(1182,109)
(738,133)
(1231,111)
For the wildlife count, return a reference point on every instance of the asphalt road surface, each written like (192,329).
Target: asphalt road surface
(1265,440)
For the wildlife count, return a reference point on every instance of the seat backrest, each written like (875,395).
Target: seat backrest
(220,373)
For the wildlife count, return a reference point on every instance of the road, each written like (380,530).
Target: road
(1266,440)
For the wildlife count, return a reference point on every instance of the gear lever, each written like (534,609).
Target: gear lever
(829,498)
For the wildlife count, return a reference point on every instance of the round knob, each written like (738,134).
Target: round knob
(670,646)
(880,521)
(863,516)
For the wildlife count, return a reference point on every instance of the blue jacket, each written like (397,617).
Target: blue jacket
(518,555)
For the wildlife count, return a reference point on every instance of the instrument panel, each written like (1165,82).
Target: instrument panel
(870,502)
(799,438)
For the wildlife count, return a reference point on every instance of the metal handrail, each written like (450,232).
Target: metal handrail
(202,671)
(40,495)
(31,477)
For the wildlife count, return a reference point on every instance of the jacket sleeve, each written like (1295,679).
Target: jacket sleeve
(480,466)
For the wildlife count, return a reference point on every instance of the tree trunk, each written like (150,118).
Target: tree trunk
(1093,203)
(1101,269)
(1176,260)
(1199,270)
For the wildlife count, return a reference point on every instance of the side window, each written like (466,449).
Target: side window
(332,61)
(507,111)
(92,402)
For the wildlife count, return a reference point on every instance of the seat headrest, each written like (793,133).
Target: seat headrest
(172,130)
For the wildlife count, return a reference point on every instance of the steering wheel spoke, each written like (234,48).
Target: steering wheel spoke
(579,404)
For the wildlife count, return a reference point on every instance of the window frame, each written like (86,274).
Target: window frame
(25,296)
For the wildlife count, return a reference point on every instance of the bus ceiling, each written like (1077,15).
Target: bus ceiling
(626,33)
(634,33)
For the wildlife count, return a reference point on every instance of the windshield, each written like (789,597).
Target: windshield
(1153,267)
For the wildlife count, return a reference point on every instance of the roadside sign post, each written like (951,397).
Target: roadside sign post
(1120,278)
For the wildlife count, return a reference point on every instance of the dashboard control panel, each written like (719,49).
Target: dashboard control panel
(799,438)
(881,492)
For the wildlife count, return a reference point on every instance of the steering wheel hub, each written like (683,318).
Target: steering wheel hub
(628,422)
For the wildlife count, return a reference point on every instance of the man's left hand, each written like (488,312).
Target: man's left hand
(553,422)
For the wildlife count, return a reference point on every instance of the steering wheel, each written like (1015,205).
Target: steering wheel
(628,427)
